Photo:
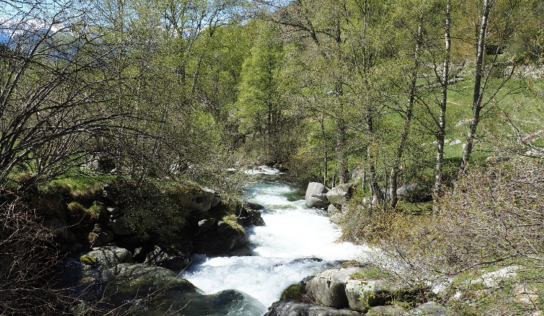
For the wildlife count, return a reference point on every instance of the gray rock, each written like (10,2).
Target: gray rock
(414,192)
(249,216)
(357,175)
(430,309)
(316,195)
(340,194)
(175,261)
(205,225)
(202,201)
(328,288)
(292,308)
(388,310)
(110,256)
(364,294)
(222,240)
(253,206)
(331,210)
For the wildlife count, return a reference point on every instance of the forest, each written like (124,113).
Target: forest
(444,94)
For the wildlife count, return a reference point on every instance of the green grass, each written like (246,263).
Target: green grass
(79,186)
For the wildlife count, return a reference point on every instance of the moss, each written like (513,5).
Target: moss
(75,207)
(95,210)
(293,292)
(77,188)
(370,274)
(88,260)
(232,221)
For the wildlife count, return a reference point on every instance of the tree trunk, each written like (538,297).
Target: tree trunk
(477,98)
(407,122)
(372,181)
(443,103)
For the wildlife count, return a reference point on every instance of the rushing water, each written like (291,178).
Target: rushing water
(295,242)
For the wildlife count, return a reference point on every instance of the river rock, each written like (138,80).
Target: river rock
(253,206)
(331,210)
(316,195)
(173,260)
(249,217)
(202,200)
(363,294)
(107,257)
(340,194)
(414,192)
(430,309)
(328,288)
(293,308)
(222,239)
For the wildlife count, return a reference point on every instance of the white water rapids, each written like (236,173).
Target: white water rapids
(285,251)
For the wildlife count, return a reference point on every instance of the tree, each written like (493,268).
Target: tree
(259,99)
(53,88)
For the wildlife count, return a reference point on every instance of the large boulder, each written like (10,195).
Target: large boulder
(107,257)
(414,192)
(124,283)
(293,308)
(364,294)
(171,259)
(249,217)
(340,194)
(218,238)
(328,288)
(316,195)
(197,199)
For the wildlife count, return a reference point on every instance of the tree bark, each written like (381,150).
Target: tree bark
(407,122)
(438,174)
(477,98)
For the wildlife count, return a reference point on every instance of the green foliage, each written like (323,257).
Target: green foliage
(153,208)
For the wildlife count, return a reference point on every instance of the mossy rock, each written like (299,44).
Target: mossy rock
(88,260)
(293,292)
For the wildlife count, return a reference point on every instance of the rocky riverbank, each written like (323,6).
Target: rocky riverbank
(128,244)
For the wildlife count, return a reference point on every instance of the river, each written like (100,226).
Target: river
(295,242)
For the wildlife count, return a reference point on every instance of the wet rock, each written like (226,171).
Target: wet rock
(253,206)
(293,308)
(173,260)
(249,217)
(222,239)
(316,195)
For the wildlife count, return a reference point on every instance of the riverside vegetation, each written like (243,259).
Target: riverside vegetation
(117,116)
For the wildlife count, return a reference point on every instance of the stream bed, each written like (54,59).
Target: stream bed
(295,242)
